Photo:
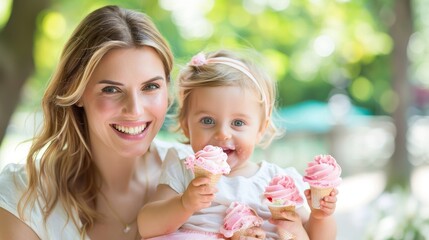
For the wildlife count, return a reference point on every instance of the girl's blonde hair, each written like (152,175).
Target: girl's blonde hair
(226,68)
(59,164)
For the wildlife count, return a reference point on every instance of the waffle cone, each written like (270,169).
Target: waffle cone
(285,235)
(243,233)
(240,233)
(276,211)
(201,172)
(317,194)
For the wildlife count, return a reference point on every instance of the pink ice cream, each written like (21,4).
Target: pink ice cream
(282,191)
(323,172)
(239,216)
(210,158)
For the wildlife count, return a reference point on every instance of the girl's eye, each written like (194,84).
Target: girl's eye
(207,120)
(238,123)
(110,89)
(151,86)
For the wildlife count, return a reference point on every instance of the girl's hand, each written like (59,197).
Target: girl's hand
(327,204)
(198,195)
(292,227)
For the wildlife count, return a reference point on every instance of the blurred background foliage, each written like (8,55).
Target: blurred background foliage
(314,48)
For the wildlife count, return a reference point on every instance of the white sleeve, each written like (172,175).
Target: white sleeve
(174,172)
(11,186)
(13,182)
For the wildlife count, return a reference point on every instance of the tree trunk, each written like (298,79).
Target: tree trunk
(400,167)
(16,55)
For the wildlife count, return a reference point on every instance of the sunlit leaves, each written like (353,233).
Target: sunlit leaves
(389,100)
(5,6)
(278,63)
(312,45)
(53,25)
(361,89)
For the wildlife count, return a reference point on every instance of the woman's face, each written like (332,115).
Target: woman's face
(125,101)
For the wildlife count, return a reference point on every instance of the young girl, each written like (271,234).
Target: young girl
(227,102)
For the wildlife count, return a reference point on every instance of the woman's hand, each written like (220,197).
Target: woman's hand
(198,195)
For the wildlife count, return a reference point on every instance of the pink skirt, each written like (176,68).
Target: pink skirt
(183,234)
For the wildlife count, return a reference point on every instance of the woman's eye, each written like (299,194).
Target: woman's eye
(238,123)
(151,86)
(207,121)
(110,89)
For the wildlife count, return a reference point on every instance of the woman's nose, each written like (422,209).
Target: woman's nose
(133,105)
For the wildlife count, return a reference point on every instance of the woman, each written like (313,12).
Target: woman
(94,163)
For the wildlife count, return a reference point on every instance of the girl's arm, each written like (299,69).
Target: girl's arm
(13,228)
(322,224)
(170,210)
(321,228)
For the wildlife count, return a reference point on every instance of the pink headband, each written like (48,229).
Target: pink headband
(200,59)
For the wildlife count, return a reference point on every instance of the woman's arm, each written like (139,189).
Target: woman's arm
(14,229)
(170,210)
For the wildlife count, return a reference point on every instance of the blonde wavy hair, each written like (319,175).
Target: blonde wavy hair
(216,73)
(59,164)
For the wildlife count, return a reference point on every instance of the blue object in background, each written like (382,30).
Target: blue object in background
(317,116)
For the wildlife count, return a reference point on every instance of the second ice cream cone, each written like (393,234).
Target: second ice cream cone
(318,194)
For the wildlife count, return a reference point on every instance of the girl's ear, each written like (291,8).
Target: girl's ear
(185,128)
(262,129)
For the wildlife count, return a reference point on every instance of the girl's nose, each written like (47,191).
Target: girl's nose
(223,133)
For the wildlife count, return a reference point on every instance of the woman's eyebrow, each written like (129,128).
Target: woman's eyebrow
(111,82)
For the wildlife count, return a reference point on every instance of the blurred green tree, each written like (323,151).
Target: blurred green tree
(314,48)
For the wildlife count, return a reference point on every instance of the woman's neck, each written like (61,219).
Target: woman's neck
(117,173)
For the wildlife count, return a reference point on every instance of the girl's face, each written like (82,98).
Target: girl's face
(125,101)
(228,117)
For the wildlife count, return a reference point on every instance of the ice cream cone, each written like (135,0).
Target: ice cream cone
(245,233)
(240,221)
(317,194)
(201,172)
(285,235)
(323,174)
(276,211)
(238,234)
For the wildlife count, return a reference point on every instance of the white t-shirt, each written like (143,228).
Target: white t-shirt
(241,189)
(13,182)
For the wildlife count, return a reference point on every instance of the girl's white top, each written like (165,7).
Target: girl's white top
(13,182)
(230,189)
